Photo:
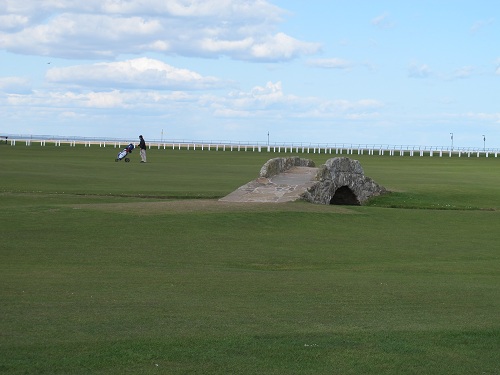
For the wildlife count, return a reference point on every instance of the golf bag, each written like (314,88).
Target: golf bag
(123,154)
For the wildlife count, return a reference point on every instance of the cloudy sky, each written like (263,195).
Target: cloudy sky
(322,71)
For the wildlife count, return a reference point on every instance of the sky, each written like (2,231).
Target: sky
(414,72)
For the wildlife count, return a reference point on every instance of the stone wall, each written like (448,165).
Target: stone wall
(277,165)
(342,181)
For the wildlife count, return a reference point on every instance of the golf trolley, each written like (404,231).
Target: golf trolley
(123,154)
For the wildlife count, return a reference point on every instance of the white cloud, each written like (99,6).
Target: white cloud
(332,63)
(497,71)
(481,24)
(272,100)
(259,97)
(261,102)
(63,101)
(382,21)
(419,71)
(142,73)
(281,47)
(490,117)
(175,8)
(107,28)
(83,36)
(476,116)
(111,99)
(13,21)
(15,85)
(212,45)
(464,72)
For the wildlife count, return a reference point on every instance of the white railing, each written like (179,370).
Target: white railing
(259,146)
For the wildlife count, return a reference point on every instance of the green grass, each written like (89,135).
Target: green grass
(439,183)
(93,171)
(114,268)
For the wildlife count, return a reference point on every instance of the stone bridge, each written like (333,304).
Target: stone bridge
(339,181)
(342,181)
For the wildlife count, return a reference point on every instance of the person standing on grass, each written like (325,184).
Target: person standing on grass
(142,146)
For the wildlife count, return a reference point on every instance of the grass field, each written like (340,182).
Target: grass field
(129,268)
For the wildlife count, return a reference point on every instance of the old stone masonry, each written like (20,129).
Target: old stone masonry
(339,181)
(342,181)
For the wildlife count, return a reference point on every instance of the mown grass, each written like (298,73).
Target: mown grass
(117,276)
(436,183)
(93,171)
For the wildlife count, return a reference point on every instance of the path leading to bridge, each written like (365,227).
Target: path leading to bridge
(284,187)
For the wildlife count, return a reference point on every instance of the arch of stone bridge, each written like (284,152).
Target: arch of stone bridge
(344,196)
(341,181)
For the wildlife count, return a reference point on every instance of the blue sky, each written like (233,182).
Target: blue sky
(325,71)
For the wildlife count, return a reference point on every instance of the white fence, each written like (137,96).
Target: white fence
(297,148)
